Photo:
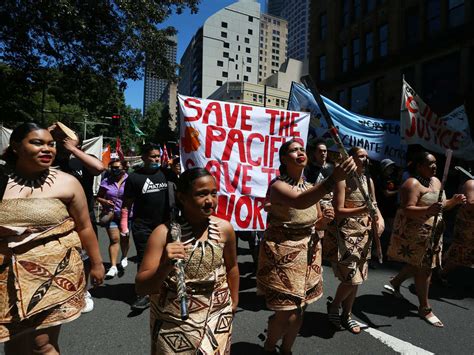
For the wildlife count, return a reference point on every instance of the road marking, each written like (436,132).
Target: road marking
(396,344)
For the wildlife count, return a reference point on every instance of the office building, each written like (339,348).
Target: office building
(297,13)
(225,49)
(273,41)
(153,86)
(274,7)
(360,50)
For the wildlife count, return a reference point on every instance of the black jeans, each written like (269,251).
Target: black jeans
(140,234)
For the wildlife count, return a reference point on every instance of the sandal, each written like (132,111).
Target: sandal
(350,324)
(429,317)
(393,291)
(333,317)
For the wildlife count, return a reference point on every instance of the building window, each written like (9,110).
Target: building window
(246,40)
(246,78)
(220,63)
(249,60)
(250,19)
(225,54)
(260,98)
(226,45)
(237,37)
(238,77)
(225,74)
(345,59)
(341,97)
(323,26)
(345,13)
(369,47)
(224,24)
(355,52)
(247,50)
(412,26)
(250,31)
(360,98)
(357,8)
(433,16)
(248,69)
(455,13)
(383,40)
(370,5)
(224,34)
(283,103)
(218,82)
(322,68)
(277,102)
(254,97)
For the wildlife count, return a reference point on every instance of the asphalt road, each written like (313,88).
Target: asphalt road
(394,326)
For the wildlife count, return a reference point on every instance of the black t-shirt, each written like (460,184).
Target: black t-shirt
(150,195)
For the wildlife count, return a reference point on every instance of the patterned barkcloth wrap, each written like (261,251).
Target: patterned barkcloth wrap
(41,272)
(209,326)
(461,251)
(347,242)
(411,238)
(289,265)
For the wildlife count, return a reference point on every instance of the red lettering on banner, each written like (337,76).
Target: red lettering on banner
(246,190)
(283,129)
(273,117)
(211,137)
(188,104)
(247,202)
(293,125)
(248,148)
(231,117)
(244,117)
(273,148)
(225,206)
(214,168)
(408,104)
(189,164)
(258,204)
(213,107)
(234,136)
(231,186)
(271,173)
(412,130)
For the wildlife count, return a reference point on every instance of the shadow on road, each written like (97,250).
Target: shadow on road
(245,348)
(119,292)
(316,324)
(385,305)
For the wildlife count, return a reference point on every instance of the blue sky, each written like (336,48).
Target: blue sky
(186,25)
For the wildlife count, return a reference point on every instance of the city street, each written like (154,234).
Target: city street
(394,326)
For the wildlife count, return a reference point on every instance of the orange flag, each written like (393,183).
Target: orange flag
(106,156)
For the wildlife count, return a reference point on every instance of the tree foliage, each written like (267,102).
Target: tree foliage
(156,123)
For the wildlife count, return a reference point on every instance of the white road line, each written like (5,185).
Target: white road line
(396,344)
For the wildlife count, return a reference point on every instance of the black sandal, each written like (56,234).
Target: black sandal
(350,324)
(333,317)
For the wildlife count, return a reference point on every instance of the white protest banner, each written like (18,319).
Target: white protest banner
(239,145)
(420,125)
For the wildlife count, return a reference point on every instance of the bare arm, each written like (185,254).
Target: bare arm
(91,163)
(324,217)
(153,271)
(410,193)
(232,268)
(280,194)
(102,200)
(78,210)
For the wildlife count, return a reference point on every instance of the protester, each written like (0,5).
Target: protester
(289,267)
(211,274)
(354,239)
(319,168)
(44,222)
(147,190)
(461,250)
(84,167)
(411,241)
(110,196)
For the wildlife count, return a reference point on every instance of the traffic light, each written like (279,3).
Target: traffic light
(116,120)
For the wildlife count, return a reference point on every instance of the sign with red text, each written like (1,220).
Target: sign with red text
(239,145)
(420,125)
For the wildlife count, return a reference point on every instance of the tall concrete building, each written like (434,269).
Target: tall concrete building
(225,49)
(360,50)
(154,87)
(297,13)
(274,7)
(273,42)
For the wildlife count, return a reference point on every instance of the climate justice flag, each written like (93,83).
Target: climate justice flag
(239,145)
(420,125)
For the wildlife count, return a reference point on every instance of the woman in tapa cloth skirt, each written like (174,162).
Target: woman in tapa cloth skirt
(410,241)
(351,241)
(211,273)
(461,250)
(44,222)
(289,267)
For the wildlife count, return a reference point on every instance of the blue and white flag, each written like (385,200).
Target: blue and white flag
(379,137)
